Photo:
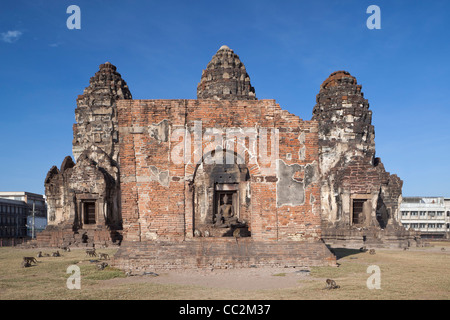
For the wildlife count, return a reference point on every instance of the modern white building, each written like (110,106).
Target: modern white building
(17,218)
(428,215)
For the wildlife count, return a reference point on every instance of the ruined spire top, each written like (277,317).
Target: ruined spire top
(341,91)
(99,98)
(224,47)
(107,66)
(225,78)
(338,78)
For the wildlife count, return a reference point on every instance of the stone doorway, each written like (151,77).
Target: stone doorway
(89,213)
(361,210)
(357,214)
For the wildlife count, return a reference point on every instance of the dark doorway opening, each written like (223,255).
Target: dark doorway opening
(89,213)
(358,205)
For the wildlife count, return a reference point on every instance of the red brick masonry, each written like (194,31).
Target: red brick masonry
(283,209)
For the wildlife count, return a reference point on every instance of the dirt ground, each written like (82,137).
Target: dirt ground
(261,278)
(247,279)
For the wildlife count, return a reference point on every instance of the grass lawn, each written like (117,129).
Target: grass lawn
(418,273)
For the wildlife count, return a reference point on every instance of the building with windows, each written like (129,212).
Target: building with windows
(17,221)
(428,215)
(13,219)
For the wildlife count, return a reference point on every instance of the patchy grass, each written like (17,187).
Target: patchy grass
(421,273)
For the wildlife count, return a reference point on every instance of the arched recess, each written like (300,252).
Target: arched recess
(221,196)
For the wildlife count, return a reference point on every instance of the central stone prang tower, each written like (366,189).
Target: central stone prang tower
(225,78)
(84,197)
(360,201)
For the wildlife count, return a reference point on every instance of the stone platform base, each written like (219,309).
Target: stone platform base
(60,237)
(220,253)
(375,238)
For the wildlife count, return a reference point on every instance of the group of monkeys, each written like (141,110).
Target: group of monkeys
(92,253)
(28,261)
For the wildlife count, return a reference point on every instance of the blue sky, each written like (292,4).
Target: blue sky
(288,48)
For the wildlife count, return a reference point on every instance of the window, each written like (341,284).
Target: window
(413,213)
(422,225)
(431,226)
(404,213)
(422,213)
(440,213)
(431,213)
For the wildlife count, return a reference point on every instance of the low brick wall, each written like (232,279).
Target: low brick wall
(57,237)
(371,238)
(220,253)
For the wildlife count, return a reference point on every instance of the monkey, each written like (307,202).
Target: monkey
(25,264)
(30,260)
(56,254)
(67,249)
(442,249)
(103,256)
(331,284)
(405,248)
(372,251)
(197,233)
(363,249)
(91,252)
(40,254)
(206,233)
(102,265)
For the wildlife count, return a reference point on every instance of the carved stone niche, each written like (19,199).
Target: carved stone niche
(221,200)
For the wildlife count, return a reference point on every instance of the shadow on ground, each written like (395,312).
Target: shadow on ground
(343,252)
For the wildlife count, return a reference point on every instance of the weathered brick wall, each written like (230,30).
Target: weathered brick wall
(156,195)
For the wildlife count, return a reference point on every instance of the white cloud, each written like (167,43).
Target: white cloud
(10,36)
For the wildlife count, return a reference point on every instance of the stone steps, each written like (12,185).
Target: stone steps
(220,253)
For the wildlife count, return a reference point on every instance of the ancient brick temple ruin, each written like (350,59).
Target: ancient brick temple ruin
(223,180)
(84,197)
(360,201)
